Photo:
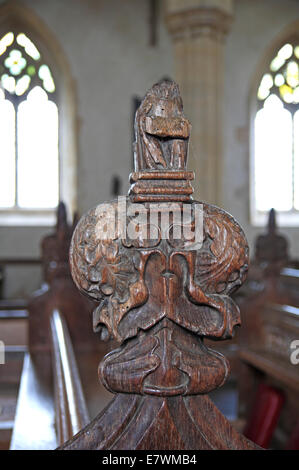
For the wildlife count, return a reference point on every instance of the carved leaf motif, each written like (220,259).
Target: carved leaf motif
(222,263)
(167,361)
(100,267)
(105,271)
(112,272)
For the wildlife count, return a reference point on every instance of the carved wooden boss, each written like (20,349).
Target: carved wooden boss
(160,295)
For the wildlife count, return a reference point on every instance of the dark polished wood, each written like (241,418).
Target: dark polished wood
(272,279)
(62,354)
(59,292)
(71,409)
(20,261)
(161,296)
(34,424)
(267,360)
(269,304)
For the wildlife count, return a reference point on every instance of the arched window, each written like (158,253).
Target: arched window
(275,163)
(29,169)
(38,143)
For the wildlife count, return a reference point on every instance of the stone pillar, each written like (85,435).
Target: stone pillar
(198,29)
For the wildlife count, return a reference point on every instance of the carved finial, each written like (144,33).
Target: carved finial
(62,227)
(162,135)
(271,249)
(272,222)
(55,247)
(160,293)
(61,218)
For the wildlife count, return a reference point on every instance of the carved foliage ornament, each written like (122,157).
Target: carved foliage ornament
(160,296)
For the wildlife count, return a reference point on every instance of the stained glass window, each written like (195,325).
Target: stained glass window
(276,133)
(29,163)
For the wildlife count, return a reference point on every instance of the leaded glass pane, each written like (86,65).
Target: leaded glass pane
(29,176)
(6,41)
(273,156)
(7,154)
(37,151)
(28,45)
(283,76)
(265,86)
(276,160)
(15,62)
(20,57)
(296,160)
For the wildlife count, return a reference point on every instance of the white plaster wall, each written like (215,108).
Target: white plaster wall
(106,43)
(256,25)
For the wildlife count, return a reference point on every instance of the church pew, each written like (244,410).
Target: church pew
(51,407)
(269,302)
(13,333)
(263,284)
(34,424)
(289,279)
(40,366)
(272,278)
(267,359)
(59,292)
(71,410)
(14,328)
(293,442)
(265,414)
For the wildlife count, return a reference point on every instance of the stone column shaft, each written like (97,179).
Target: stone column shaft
(198,29)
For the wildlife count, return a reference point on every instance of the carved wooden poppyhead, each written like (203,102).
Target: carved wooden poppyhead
(158,294)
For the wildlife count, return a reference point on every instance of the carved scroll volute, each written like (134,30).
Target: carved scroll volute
(158,294)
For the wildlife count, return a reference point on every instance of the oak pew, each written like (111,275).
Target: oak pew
(51,408)
(289,279)
(13,334)
(269,304)
(42,383)
(272,277)
(267,360)
(13,328)
(70,405)
(160,296)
